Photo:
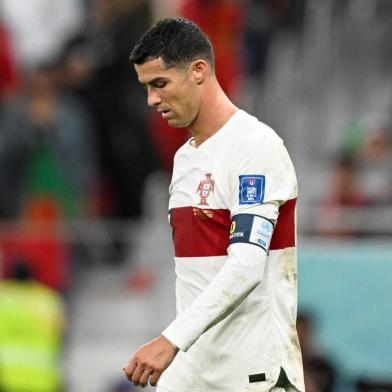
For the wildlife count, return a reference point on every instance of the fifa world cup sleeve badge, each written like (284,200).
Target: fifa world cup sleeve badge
(205,188)
(251,189)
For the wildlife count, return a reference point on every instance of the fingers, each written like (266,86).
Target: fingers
(137,374)
(129,368)
(149,362)
(155,377)
(140,374)
(145,376)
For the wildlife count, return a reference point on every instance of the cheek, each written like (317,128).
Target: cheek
(190,101)
(180,104)
(184,101)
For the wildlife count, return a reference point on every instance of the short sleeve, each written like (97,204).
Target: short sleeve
(261,176)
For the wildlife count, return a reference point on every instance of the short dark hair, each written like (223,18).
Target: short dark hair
(177,41)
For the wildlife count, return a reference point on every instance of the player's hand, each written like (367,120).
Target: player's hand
(150,361)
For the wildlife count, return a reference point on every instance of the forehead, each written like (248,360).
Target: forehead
(153,69)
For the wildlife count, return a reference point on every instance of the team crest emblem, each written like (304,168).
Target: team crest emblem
(205,188)
(252,181)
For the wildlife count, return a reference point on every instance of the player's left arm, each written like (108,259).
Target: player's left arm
(260,179)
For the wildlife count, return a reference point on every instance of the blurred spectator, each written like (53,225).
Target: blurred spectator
(39,28)
(369,142)
(375,161)
(223,22)
(165,8)
(99,72)
(47,174)
(8,74)
(259,29)
(362,176)
(320,374)
(40,244)
(344,190)
(31,330)
(263,19)
(46,148)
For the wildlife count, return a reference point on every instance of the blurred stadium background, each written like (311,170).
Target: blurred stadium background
(84,170)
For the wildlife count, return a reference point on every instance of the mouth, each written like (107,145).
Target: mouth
(165,113)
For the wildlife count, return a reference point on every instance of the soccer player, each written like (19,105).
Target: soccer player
(232,209)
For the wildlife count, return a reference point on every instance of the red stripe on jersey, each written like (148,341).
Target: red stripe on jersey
(199,232)
(284,232)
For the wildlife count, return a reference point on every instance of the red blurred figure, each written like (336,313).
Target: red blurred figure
(8,74)
(222,21)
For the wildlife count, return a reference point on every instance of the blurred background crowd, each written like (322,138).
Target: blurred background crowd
(85,252)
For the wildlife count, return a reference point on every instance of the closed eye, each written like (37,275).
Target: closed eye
(159,84)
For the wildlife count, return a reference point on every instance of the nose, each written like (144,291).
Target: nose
(153,98)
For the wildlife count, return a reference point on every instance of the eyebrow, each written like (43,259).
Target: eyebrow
(155,80)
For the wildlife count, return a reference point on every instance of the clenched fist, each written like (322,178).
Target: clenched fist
(150,361)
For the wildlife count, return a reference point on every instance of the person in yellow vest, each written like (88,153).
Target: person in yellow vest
(31,331)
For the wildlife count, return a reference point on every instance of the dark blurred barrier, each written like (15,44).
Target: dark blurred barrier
(364,385)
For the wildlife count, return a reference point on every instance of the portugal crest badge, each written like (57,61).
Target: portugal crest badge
(205,188)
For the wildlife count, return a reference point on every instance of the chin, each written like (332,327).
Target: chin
(176,124)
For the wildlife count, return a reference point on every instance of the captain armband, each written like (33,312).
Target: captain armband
(251,229)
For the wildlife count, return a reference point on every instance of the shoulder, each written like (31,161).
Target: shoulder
(250,135)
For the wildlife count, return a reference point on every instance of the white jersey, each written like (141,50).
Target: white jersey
(232,209)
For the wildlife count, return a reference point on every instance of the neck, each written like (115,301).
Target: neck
(215,110)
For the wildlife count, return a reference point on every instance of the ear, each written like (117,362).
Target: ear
(200,69)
